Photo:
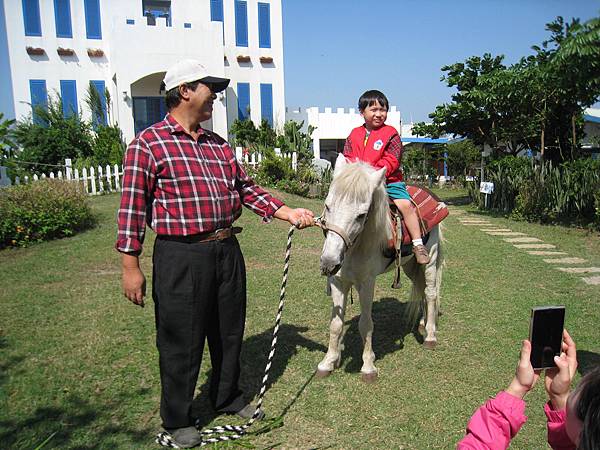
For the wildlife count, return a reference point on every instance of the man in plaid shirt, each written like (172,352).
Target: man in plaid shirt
(187,185)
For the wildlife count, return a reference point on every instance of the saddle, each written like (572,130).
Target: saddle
(430,211)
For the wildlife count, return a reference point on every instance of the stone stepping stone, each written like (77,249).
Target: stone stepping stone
(535,246)
(505,233)
(476,224)
(545,253)
(580,269)
(473,220)
(565,261)
(592,280)
(522,240)
(505,230)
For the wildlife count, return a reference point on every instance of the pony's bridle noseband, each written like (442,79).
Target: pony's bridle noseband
(326,226)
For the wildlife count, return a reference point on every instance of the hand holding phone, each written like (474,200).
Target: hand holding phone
(545,334)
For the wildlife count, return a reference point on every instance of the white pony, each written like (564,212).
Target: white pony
(358,228)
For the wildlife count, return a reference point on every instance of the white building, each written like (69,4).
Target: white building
(332,127)
(125,46)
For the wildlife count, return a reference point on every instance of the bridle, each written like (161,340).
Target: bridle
(326,226)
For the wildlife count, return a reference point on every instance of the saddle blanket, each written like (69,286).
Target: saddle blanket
(430,210)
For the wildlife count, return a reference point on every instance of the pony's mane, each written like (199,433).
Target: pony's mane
(353,182)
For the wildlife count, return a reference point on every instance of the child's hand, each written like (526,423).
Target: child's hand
(525,377)
(558,380)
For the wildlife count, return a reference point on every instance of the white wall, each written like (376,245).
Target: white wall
(335,123)
(255,72)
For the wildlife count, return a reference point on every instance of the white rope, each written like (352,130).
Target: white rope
(164,438)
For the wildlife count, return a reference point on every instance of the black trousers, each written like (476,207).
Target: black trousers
(199,292)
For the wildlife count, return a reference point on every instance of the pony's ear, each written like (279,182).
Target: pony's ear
(340,162)
(378,176)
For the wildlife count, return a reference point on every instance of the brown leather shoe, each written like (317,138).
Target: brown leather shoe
(421,254)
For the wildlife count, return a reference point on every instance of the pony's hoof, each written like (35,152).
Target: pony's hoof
(429,345)
(322,373)
(421,329)
(369,378)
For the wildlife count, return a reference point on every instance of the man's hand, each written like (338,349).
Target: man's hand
(525,377)
(558,380)
(299,217)
(134,281)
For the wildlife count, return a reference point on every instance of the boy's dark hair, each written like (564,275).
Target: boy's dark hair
(370,97)
(588,409)
(173,98)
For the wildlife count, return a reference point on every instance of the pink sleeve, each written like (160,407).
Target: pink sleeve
(494,424)
(557,433)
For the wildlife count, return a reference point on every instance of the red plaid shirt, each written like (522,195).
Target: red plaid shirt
(182,187)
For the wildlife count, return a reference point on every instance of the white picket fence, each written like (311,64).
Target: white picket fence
(255,158)
(104,180)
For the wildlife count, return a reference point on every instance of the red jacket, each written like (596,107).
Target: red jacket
(383,149)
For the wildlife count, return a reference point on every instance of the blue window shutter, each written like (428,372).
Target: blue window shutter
(39,97)
(264,25)
(243,92)
(216,10)
(241,24)
(93,25)
(68,96)
(31,18)
(62,18)
(266,102)
(100,86)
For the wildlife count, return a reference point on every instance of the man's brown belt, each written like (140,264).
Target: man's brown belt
(217,235)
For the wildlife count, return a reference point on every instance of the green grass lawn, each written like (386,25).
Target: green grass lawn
(78,362)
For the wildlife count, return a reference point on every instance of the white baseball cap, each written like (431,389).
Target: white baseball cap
(189,70)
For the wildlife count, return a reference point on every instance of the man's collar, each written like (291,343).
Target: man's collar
(175,127)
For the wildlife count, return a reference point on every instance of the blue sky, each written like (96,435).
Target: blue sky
(336,49)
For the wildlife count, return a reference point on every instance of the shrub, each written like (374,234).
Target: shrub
(43,210)
(293,186)
(274,168)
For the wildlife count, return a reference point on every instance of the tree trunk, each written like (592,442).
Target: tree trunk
(574,135)
(542,144)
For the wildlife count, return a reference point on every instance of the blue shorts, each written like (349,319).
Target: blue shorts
(397,191)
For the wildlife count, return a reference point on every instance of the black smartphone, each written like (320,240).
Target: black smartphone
(545,334)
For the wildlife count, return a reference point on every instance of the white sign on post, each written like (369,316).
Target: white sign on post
(486,187)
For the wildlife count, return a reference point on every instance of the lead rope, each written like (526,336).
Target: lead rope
(164,438)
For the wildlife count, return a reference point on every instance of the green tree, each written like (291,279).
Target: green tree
(535,104)
(462,156)
(53,138)
(294,139)
(6,137)
(244,132)
(265,134)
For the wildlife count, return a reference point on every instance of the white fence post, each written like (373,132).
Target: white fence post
(108,180)
(278,151)
(84,175)
(93,180)
(100,183)
(17,180)
(239,154)
(117,181)
(4,180)
(295,161)
(69,168)
(52,175)
(35,177)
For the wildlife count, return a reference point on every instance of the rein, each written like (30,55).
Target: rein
(165,439)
